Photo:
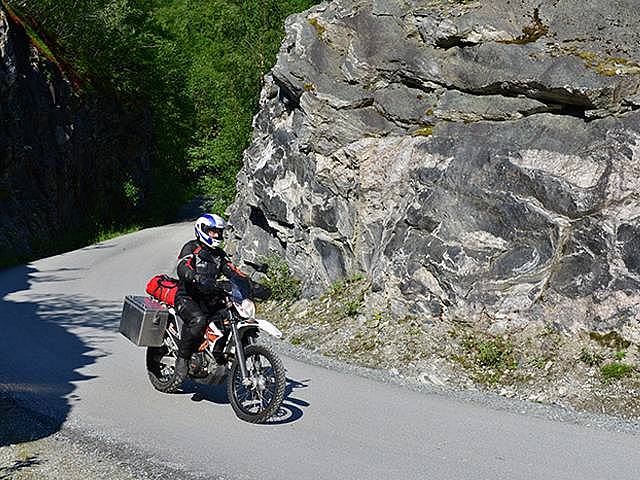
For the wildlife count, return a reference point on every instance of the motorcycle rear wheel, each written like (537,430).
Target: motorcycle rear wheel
(162,375)
(258,402)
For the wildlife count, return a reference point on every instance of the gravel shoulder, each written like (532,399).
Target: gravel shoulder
(588,375)
(48,457)
(28,451)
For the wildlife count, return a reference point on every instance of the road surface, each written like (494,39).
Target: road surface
(62,355)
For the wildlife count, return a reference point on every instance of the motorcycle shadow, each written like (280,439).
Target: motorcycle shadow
(290,411)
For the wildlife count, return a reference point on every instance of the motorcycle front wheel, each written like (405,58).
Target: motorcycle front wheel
(260,397)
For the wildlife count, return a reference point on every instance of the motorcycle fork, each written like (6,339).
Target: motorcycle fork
(239,350)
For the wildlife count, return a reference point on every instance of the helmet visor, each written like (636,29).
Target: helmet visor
(213,232)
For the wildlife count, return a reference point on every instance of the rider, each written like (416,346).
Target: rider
(200,263)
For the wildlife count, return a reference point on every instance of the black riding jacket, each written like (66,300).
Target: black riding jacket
(199,268)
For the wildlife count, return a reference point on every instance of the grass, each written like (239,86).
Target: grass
(495,354)
(615,371)
(605,65)
(590,358)
(345,293)
(352,307)
(339,287)
(363,342)
(620,355)
(539,362)
(105,235)
(489,357)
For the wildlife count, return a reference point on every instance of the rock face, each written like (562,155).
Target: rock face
(64,157)
(471,158)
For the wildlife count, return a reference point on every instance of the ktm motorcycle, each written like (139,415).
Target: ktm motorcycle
(229,351)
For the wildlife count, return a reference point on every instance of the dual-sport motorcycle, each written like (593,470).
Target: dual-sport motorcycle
(229,350)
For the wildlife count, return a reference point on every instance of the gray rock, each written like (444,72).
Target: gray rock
(64,155)
(456,106)
(471,159)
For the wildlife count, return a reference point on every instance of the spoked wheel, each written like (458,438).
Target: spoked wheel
(260,396)
(161,369)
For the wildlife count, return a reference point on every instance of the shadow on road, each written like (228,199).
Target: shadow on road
(290,411)
(41,356)
(9,472)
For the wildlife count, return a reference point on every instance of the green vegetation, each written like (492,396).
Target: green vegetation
(352,306)
(590,358)
(349,294)
(492,352)
(284,287)
(619,355)
(198,66)
(489,358)
(339,287)
(105,235)
(132,192)
(539,362)
(615,371)
(72,239)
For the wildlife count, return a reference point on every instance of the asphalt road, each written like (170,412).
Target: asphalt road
(61,353)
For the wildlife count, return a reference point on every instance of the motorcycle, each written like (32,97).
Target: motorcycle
(229,351)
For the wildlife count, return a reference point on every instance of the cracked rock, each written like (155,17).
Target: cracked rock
(474,161)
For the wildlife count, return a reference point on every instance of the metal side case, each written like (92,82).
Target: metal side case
(143,321)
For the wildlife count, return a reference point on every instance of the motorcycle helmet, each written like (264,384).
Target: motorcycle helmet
(210,229)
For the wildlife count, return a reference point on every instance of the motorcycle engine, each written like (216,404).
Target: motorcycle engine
(198,365)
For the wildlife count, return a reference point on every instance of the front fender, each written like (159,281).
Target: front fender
(263,325)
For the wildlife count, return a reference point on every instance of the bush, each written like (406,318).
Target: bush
(284,287)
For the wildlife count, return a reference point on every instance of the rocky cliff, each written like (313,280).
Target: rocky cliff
(65,155)
(473,159)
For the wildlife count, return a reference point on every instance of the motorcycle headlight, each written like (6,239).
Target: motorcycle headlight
(246,309)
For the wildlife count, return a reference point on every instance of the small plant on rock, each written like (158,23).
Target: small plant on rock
(284,287)
(492,352)
(615,371)
(590,358)
(339,287)
(620,354)
(489,357)
(352,307)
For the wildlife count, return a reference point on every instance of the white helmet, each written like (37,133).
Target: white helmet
(210,229)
